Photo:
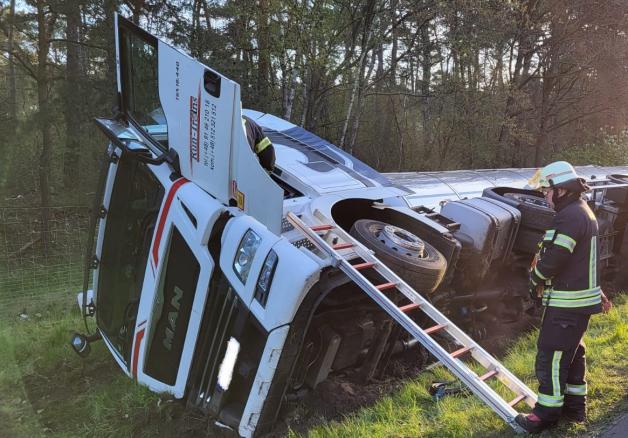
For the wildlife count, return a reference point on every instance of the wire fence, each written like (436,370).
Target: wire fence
(40,266)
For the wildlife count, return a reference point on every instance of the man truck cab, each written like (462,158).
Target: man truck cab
(201,287)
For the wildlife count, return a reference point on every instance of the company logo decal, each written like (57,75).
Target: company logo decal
(173,314)
(195,121)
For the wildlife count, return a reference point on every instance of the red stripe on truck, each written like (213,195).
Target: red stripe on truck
(136,351)
(164,214)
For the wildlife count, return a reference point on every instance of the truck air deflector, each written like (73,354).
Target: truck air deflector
(316,150)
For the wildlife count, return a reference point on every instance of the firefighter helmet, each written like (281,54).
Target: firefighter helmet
(553,175)
(556,174)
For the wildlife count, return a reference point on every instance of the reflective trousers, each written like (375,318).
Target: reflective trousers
(561,365)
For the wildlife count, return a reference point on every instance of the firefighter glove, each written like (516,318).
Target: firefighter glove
(536,291)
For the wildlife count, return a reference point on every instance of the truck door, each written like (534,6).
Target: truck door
(180,104)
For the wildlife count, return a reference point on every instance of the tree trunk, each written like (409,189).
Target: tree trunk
(367,31)
(356,90)
(394,44)
(305,97)
(263,61)
(426,75)
(44,28)
(136,9)
(195,37)
(364,78)
(291,91)
(72,97)
(12,98)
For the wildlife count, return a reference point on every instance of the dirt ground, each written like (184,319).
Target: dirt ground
(344,394)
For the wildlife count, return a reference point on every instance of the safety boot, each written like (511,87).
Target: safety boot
(533,424)
(572,416)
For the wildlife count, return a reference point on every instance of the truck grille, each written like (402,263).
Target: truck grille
(306,243)
(286,225)
(218,316)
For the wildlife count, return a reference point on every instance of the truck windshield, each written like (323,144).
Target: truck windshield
(135,201)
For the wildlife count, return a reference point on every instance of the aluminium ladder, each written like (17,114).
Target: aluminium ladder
(342,242)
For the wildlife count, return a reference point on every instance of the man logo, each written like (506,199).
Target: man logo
(175,302)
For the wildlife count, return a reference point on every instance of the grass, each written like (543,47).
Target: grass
(412,412)
(46,390)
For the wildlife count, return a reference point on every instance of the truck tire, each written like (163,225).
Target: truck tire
(535,213)
(422,273)
(527,240)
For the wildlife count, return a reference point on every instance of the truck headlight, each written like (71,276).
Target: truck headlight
(266,278)
(245,254)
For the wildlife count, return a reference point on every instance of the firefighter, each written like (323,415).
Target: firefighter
(564,279)
(260,144)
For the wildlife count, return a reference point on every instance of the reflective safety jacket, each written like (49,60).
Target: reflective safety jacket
(261,145)
(567,261)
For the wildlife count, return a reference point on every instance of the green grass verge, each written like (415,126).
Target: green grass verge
(46,390)
(412,412)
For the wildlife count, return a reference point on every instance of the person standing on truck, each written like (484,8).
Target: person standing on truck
(261,145)
(564,279)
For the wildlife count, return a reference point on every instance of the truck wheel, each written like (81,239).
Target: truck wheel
(527,240)
(415,260)
(535,212)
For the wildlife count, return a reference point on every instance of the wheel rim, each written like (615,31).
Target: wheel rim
(402,241)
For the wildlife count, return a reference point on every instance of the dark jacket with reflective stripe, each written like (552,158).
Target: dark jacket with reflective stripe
(567,262)
(260,144)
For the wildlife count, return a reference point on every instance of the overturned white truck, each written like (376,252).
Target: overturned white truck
(202,288)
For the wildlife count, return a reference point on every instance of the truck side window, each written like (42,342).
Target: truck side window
(141,85)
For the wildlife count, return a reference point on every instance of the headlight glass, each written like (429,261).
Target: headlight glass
(245,254)
(266,278)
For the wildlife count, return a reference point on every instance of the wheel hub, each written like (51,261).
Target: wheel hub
(402,241)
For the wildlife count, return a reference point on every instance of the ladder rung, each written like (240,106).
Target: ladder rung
(323,227)
(488,375)
(365,265)
(386,286)
(435,328)
(516,400)
(409,307)
(461,351)
(342,245)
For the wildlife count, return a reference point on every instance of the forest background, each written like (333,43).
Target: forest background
(402,84)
